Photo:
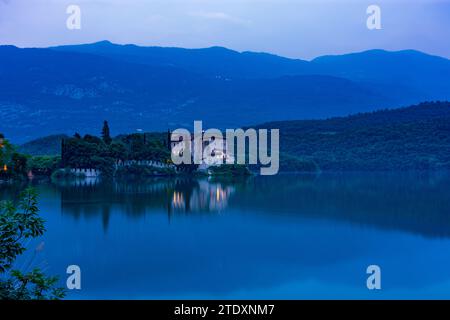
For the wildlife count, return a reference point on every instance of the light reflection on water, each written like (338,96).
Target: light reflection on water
(289,236)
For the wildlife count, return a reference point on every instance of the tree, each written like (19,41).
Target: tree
(18,224)
(105,133)
(118,151)
(6,150)
(19,164)
(93,139)
(44,165)
(13,162)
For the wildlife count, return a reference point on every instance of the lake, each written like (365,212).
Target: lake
(281,237)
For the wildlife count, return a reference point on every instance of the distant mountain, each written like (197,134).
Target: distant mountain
(412,138)
(402,72)
(45,91)
(214,61)
(74,88)
(49,145)
(408,70)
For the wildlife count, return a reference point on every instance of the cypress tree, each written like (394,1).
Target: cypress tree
(105,133)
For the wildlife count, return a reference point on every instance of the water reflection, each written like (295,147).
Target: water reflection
(411,202)
(415,203)
(207,196)
(138,198)
(288,236)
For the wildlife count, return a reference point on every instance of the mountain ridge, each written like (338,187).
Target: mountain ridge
(47,91)
(108,43)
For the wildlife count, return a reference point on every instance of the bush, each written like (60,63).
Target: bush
(143,171)
(44,165)
(19,223)
(66,174)
(231,170)
(297,164)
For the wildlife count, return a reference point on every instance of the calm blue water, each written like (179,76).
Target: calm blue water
(288,236)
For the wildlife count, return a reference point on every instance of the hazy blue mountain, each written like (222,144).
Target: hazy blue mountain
(403,72)
(49,145)
(214,61)
(423,75)
(74,88)
(45,91)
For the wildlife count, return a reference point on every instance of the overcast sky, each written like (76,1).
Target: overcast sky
(293,28)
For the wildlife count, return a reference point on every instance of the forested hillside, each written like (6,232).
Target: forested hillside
(413,138)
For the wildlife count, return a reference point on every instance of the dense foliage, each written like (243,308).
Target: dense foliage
(291,163)
(234,170)
(137,171)
(82,152)
(44,165)
(413,138)
(12,163)
(97,153)
(19,223)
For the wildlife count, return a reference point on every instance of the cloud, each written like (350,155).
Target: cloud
(218,16)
